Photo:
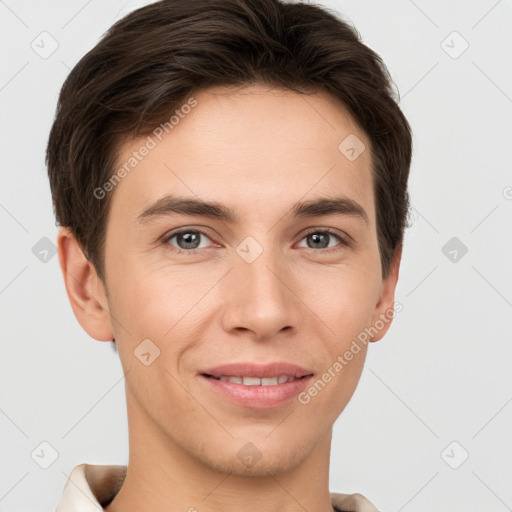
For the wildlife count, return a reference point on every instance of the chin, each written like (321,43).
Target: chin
(258,459)
(266,466)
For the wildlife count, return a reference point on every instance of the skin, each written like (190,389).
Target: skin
(257,150)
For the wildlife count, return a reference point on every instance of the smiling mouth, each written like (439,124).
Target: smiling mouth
(256,381)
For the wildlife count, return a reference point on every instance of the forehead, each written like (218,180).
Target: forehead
(250,147)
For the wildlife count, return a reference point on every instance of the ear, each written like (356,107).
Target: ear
(85,290)
(384,310)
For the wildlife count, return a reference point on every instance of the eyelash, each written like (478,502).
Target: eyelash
(343,242)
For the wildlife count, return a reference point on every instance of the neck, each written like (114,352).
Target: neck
(163,476)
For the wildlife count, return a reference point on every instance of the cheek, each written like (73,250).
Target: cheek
(164,307)
(346,301)
(140,307)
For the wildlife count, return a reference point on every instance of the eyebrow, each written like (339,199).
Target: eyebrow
(187,206)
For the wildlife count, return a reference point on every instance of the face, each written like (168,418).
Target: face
(268,284)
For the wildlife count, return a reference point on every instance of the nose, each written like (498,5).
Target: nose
(261,297)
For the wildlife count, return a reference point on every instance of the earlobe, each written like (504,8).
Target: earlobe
(384,310)
(86,292)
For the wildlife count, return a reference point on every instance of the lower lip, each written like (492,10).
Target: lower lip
(258,397)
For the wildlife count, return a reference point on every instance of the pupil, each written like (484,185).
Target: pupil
(187,237)
(316,236)
(317,239)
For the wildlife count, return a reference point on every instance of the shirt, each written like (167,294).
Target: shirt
(90,487)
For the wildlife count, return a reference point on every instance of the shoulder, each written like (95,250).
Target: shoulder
(352,503)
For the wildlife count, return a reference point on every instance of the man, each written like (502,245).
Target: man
(230,177)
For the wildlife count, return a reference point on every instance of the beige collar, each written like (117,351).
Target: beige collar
(91,486)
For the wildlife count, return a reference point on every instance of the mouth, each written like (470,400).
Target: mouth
(256,381)
(257,386)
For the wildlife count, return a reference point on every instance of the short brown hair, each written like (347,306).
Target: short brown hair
(149,62)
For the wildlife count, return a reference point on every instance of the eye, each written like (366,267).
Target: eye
(187,240)
(319,239)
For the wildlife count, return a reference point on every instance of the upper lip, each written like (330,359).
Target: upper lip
(250,369)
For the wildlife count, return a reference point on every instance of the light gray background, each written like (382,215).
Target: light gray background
(441,374)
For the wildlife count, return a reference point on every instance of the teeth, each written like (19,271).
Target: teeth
(252,381)
(255,381)
(236,380)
